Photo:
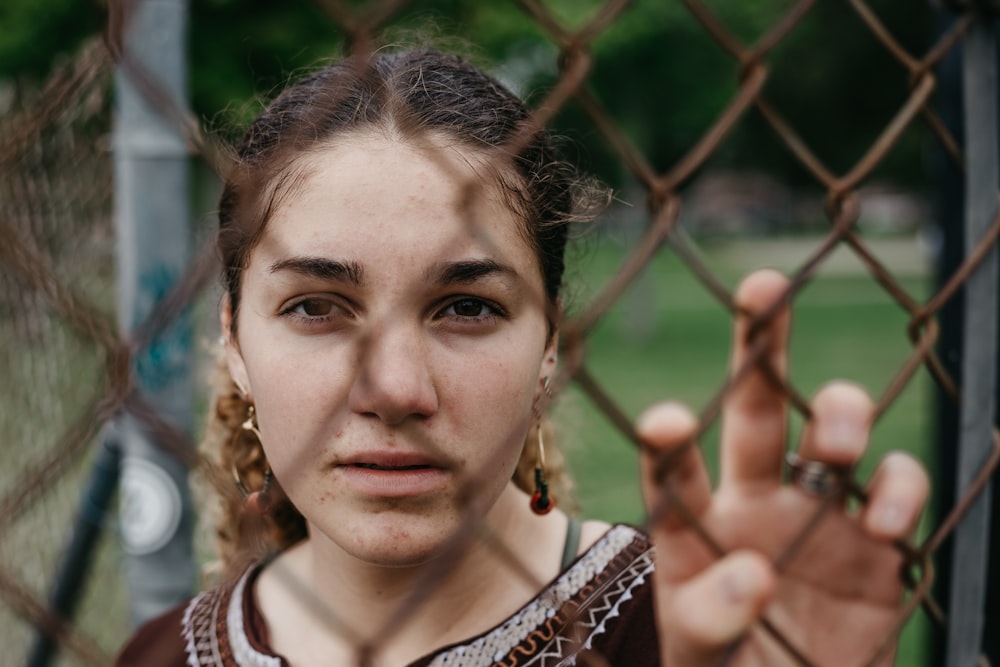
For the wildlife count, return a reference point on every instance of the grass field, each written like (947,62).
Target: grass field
(668,337)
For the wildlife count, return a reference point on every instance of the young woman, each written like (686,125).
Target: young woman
(392,237)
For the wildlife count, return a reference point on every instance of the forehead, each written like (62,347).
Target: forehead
(412,195)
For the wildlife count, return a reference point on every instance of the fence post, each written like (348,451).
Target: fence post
(152,218)
(979,361)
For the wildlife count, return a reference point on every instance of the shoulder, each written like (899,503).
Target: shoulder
(619,600)
(157,642)
(591,531)
(196,633)
(622,554)
(600,604)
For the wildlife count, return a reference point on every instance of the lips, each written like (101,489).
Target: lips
(375,466)
(392,474)
(385,460)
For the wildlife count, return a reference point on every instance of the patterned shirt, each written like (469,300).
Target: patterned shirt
(601,604)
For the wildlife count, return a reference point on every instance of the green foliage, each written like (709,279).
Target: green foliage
(36,33)
(657,71)
(240,50)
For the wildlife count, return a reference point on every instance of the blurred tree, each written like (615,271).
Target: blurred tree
(34,34)
(659,74)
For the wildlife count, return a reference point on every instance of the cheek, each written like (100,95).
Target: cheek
(296,398)
(491,402)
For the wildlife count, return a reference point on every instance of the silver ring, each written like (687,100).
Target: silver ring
(815,478)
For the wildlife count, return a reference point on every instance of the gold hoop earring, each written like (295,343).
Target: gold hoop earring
(541,503)
(258,502)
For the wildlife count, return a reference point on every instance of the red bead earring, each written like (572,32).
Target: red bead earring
(541,503)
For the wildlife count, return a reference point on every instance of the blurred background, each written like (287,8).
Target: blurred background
(70,293)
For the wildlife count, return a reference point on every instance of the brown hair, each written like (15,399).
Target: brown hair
(406,92)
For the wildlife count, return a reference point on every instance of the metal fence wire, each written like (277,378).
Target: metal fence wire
(67,365)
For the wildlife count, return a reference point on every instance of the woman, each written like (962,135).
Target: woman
(392,236)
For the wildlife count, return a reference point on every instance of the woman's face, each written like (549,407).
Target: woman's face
(393,335)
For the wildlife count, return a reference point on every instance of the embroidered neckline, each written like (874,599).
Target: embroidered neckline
(494,645)
(203,623)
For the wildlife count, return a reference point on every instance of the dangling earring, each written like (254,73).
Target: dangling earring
(541,503)
(258,502)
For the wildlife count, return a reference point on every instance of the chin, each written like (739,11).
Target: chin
(400,541)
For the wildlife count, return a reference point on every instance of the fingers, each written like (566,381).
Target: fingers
(670,457)
(897,493)
(837,432)
(755,413)
(714,609)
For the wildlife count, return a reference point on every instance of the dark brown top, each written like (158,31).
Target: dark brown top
(602,603)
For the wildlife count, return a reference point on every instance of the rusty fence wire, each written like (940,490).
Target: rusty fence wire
(67,367)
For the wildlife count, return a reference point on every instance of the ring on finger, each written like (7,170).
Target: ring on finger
(815,478)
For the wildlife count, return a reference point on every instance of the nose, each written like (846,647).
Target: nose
(394,379)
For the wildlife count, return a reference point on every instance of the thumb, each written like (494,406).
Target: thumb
(701,618)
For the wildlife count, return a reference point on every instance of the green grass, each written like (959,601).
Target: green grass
(668,337)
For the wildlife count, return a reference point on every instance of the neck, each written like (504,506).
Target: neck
(484,575)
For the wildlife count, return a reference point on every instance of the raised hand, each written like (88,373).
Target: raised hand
(736,582)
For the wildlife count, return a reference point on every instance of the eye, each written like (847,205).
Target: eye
(471,308)
(313,308)
(468,307)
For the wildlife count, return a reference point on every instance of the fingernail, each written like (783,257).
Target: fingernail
(736,586)
(888,519)
(841,435)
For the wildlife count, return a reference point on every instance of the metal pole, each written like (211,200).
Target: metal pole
(79,554)
(979,376)
(152,218)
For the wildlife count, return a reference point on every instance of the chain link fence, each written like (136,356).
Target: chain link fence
(66,366)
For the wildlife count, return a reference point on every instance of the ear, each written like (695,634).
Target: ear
(551,358)
(234,357)
(550,362)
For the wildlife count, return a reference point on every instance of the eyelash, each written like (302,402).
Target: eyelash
(334,310)
(490,311)
(494,311)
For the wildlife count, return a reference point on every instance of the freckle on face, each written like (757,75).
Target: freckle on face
(483,383)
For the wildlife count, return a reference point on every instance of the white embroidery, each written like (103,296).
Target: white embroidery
(201,617)
(243,653)
(199,631)
(615,611)
(497,644)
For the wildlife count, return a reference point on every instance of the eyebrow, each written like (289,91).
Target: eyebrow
(468,271)
(323,268)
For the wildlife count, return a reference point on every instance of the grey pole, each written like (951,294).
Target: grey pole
(152,222)
(979,360)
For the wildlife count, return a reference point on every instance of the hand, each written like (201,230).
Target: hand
(837,596)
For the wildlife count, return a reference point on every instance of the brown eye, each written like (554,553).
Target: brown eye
(314,308)
(472,310)
(468,307)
